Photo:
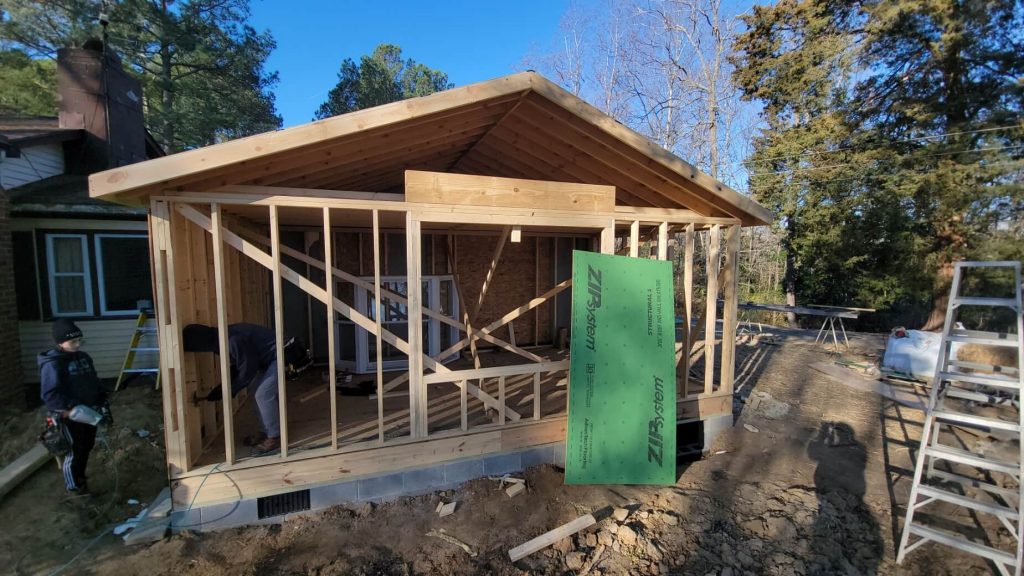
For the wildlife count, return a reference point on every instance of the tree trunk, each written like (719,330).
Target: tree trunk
(167,98)
(940,298)
(790,286)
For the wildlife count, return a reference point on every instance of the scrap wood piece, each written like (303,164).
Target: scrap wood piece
(445,509)
(564,531)
(19,470)
(515,489)
(452,540)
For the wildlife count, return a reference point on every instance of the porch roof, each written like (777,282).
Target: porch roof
(517,126)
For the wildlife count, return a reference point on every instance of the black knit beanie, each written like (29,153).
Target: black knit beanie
(199,338)
(64,329)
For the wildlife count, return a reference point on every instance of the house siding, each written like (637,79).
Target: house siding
(105,340)
(11,393)
(35,163)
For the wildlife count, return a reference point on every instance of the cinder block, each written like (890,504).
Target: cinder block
(502,464)
(536,456)
(229,515)
(424,480)
(462,471)
(715,426)
(559,459)
(381,486)
(321,497)
(182,520)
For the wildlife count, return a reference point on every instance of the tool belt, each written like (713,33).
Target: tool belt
(53,438)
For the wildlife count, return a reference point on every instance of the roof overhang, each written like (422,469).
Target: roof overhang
(518,126)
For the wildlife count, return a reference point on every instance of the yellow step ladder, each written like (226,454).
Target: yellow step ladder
(128,369)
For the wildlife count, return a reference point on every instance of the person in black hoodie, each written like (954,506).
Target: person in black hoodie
(67,379)
(252,350)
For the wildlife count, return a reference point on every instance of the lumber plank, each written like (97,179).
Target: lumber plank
(26,464)
(332,380)
(711,313)
(730,296)
(465,189)
(282,396)
(417,390)
(687,305)
(224,360)
(378,312)
(564,531)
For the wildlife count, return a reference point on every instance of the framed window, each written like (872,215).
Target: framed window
(122,267)
(67,265)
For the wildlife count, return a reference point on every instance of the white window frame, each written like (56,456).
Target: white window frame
(52,275)
(100,278)
(364,303)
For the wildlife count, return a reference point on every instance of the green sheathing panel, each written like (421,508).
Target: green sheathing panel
(622,378)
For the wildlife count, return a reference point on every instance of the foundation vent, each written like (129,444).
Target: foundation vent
(281,504)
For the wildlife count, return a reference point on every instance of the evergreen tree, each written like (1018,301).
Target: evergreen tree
(380,78)
(27,86)
(200,64)
(892,143)
(943,89)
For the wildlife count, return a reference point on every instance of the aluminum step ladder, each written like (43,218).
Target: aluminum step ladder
(970,480)
(142,330)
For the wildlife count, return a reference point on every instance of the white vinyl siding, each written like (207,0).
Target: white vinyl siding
(105,340)
(34,163)
(67,269)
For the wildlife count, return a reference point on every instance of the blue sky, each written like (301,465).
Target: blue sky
(469,40)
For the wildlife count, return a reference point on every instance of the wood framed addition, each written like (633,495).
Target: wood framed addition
(469,363)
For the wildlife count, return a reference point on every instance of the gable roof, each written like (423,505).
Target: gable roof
(517,126)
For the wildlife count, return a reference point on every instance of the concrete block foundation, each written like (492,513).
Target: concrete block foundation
(377,489)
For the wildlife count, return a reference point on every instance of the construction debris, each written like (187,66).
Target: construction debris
(750,428)
(17,471)
(452,540)
(515,489)
(445,509)
(563,531)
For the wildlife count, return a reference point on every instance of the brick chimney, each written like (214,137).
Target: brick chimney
(97,95)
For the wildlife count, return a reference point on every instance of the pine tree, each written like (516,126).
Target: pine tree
(380,78)
(892,144)
(201,66)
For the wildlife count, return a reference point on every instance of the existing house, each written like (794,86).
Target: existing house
(74,256)
(476,196)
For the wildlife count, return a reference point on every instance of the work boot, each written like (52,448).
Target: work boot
(267,446)
(80,493)
(255,439)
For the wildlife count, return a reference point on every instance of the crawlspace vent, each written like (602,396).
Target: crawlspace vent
(280,504)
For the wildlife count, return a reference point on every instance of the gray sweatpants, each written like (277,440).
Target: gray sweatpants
(264,389)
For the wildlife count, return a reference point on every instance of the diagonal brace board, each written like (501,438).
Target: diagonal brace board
(396,298)
(511,316)
(319,293)
(493,326)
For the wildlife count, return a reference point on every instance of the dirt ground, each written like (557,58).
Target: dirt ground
(812,479)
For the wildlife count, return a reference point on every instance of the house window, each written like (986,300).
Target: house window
(67,259)
(122,264)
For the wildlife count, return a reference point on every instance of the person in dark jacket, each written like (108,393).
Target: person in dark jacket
(252,350)
(67,379)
